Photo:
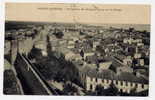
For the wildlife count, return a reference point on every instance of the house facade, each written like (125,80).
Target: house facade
(125,83)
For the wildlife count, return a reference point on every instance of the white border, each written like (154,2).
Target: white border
(152,52)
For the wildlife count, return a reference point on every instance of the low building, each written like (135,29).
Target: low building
(72,56)
(71,44)
(124,82)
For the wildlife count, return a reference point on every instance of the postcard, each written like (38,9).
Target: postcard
(74,49)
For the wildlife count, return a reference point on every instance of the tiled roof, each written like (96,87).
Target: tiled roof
(126,76)
(109,74)
(104,74)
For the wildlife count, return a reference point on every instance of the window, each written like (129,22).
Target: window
(91,86)
(116,82)
(142,85)
(96,79)
(121,82)
(136,85)
(121,90)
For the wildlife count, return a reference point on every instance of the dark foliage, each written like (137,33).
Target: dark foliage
(69,89)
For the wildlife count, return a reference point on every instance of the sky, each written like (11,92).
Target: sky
(79,13)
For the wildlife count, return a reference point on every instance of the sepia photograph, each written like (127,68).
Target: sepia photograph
(65,49)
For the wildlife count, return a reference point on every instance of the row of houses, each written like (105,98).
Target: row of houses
(124,82)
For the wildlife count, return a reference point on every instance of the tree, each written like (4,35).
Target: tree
(35,53)
(133,92)
(112,90)
(69,89)
(100,90)
(131,29)
(59,34)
